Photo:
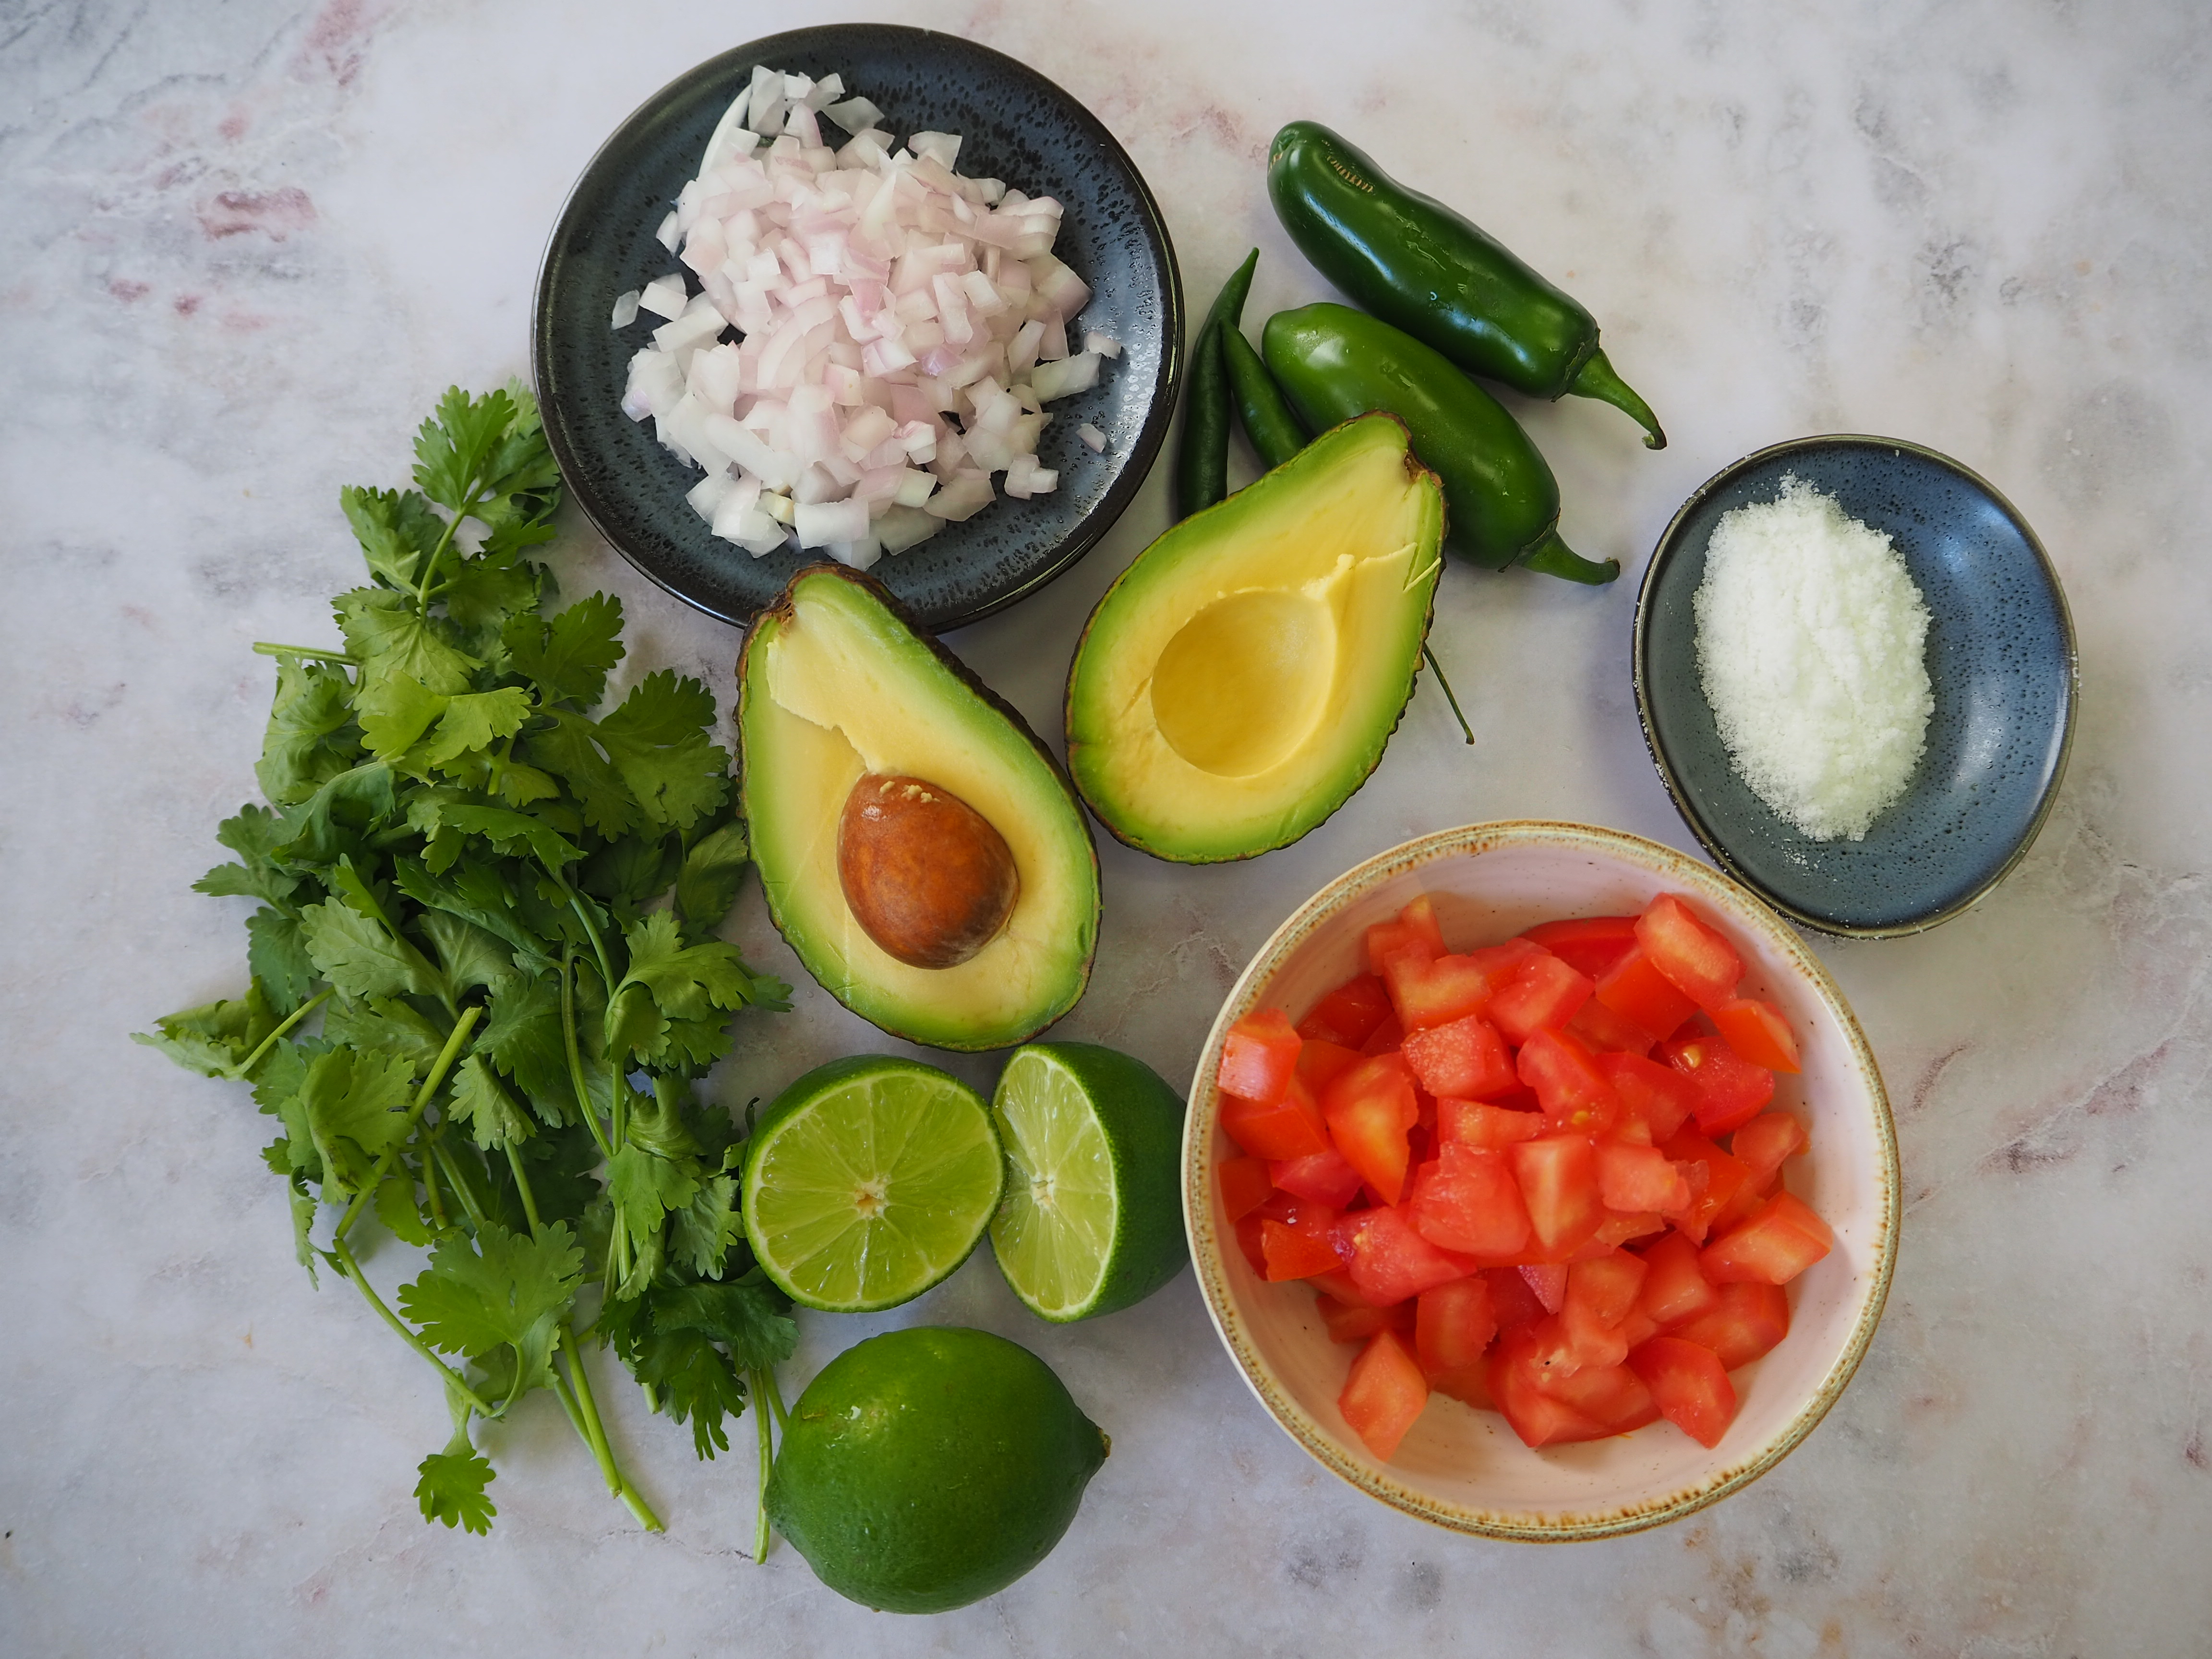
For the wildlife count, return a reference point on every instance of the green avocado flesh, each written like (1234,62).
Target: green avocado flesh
(1241,679)
(834,684)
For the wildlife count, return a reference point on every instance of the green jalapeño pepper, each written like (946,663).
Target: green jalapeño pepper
(1201,474)
(1413,261)
(1501,502)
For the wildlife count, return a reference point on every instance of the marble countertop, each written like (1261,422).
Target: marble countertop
(244,245)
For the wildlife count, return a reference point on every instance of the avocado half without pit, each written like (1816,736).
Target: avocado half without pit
(922,851)
(1240,679)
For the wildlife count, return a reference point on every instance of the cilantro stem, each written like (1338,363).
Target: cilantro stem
(268,649)
(430,1191)
(351,1269)
(585,1103)
(245,1067)
(767,1460)
(454,1044)
(1437,670)
(617,1482)
(460,1187)
(469,504)
(522,1186)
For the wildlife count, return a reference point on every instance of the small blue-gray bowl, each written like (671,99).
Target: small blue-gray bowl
(2000,660)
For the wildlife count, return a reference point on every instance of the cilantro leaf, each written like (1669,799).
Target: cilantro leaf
(480,1101)
(508,831)
(568,657)
(277,955)
(452,1489)
(355,1106)
(707,1227)
(645,1186)
(397,1208)
(360,957)
(476,720)
(655,741)
(307,743)
(453,446)
(707,886)
(395,710)
(696,1382)
(567,750)
(466,954)
(396,531)
(391,637)
(506,1287)
(386,1025)
(333,822)
(254,836)
(687,981)
(748,1315)
(214,1038)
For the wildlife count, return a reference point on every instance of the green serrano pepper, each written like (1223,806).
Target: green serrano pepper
(1414,261)
(1202,461)
(1501,502)
(1275,431)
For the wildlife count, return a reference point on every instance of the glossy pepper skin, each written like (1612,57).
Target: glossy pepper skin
(1415,263)
(1201,474)
(1267,420)
(1501,502)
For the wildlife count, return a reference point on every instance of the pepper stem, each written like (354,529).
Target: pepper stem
(1595,379)
(1555,558)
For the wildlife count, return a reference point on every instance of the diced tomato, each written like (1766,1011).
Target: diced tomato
(1637,992)
(1659,1094)
(1511,1297)
(1368,1110)
(1620,1227)
(1547,1283)
(1415,929)
(1258,1057)
(1745,1322)
(1589,944)
(1466,1059)
(1390,1261)
(1384,1394)
(1689,1386)
(1248,1240)
(1477,1123)
(1348,1015)
(1762,1144)
(1452,1327)
(1244,1185)
(1602,1029)
(1288,1126)
(1612,1396)
(1569,1085)
(1385,1037)
(1355,1321)
(1324,1178)
(1783,1238)
(1339,1284)
(1429,990)
(1467,1199)
(1702,965)
(1674,1289)
(1637,1180)
(1731,1090)
(1639,1327)
(1559,1183)
(1321,1062)
(1298,1251)
(1536,1416)
(1723,1178)
(1754,1028)
(1599,1294)
(1543,994)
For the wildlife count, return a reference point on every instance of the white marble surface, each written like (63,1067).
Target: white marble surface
(242,247)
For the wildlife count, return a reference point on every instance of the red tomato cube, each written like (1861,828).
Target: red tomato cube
(1658,1094)
(1385,1037)
(1291,1125)
(1466,1059)
(1259,1056)
(1355,1321)
(1601,1293)
(1467,1199)
(1637,992)
(1731,1090)
(1589,944)
(1321,1062)
(1783,1238)
(1368,1110)
(1558,1183)
(1762,1144)
(1415,929)
(1754,1028)
(1745,1322)
(1244,1185)
(1384,1394)
(1299,1250)
(1248,1240)
(1348,1015)
(1324,1178)
(1609,1032)
(1715,1179)
(1479,1123)
(1637,1180)
(1702,965)
(1511,1299)
(1547,1282)
(1542,993)
(1517,1377)
(1453,1325)
(1569,1085)
(1674,1289)
(1689,1386)
(1428,991)
(1612,1396)
(1390,1260)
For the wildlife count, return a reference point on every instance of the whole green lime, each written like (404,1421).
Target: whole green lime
(927,1468)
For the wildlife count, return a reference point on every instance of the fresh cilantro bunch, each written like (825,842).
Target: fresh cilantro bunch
(460,869)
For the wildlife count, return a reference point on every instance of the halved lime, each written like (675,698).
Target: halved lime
(1091,1221)
(868,1180)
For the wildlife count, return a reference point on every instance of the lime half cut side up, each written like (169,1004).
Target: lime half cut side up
(868,1180)
(1089,1221)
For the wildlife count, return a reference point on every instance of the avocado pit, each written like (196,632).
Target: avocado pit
(924,873)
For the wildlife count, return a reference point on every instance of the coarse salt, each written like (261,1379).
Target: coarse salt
(1810,640)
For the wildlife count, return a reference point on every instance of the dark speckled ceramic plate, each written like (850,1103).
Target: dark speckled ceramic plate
(2000,658)
(1015,125)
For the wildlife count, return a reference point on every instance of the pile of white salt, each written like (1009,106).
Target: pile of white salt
(1810,637)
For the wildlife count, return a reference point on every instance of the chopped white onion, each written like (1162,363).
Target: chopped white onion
(1104,345)
(625,309)
(1091,435)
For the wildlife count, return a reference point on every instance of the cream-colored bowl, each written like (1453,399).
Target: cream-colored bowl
(1465,1468)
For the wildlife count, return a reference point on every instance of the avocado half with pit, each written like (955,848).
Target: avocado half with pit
(853,726)
(1239,681)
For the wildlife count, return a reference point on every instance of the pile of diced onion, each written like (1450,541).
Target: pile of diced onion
(902,328)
